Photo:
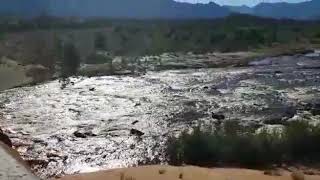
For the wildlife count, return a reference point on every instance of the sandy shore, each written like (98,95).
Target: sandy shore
(177,173)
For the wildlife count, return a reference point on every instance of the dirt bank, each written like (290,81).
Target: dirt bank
(12,74)
(187,173)
(12,166)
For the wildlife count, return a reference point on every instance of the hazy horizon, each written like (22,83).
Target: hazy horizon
(240,2)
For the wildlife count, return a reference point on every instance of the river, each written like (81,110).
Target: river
(119,121)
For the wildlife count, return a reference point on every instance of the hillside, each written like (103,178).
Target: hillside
(240,9)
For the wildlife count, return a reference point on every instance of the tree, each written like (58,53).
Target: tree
(70,62)
(100,41)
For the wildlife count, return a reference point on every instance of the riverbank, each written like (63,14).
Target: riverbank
(13,74)
(12,166)
(187,173)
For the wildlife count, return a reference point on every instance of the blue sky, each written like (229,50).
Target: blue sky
(240,2)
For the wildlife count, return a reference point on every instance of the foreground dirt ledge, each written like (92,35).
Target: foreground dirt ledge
(186,173)
(12,167)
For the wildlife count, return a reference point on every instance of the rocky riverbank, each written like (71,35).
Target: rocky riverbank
(12,166)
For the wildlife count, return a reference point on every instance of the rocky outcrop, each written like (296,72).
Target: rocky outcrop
(136,132)
(12,166)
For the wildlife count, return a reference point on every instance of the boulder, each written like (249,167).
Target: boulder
(83,134)
(218,116)
(136,132)
(79,134)
(134,122)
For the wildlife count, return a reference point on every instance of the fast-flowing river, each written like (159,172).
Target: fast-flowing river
(118,121)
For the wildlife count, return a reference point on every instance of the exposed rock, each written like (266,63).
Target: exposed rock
(273,121)
(90,134)
(309,172)
(315,109)
(218,116)
(74,110)
(132,146)
(92,89)
(79,134)
(5,139)
(37,162)
(134,122)
(136,132)
(83,134)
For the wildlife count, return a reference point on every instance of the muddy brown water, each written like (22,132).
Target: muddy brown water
(92,124)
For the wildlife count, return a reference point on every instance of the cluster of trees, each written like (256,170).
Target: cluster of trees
(68,56)
(234,144)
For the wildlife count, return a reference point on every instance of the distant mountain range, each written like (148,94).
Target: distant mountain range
(144,9)
(112,8)
(303,10)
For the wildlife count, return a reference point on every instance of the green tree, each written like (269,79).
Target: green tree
(71,60)
(100,41)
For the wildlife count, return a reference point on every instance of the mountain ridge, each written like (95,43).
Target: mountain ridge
(283,10)
(113,8)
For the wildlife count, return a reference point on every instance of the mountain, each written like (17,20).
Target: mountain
(240,9)
(302,11)
(112,8)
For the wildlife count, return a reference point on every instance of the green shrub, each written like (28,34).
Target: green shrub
(233,144)
(96,58)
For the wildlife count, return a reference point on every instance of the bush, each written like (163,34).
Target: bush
(233,144)
(96,58)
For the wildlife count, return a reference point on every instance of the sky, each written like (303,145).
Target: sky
(240,2)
